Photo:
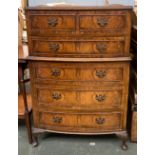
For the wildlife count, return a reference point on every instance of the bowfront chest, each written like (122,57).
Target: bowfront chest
(79,62)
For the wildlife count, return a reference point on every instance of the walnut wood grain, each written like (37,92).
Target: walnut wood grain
(107,72)
(79,62)
(76,23)
(81,121)
(134,127)
(81,47)
(77,100)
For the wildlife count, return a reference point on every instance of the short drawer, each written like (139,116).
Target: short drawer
(51,24)
(49,120)
(61,122)
(97,47)
(79,98)
(103,72)
(106,121)
(104,23)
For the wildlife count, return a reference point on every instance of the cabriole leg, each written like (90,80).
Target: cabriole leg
(124,137)
(36,133)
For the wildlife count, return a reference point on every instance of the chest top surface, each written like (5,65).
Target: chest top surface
(81,2)
(76,7)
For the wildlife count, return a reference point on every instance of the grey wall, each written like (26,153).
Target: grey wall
(81,2)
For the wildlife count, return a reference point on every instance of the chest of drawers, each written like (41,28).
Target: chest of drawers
(79,63)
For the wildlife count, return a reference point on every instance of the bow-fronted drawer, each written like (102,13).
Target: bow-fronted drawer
(79,47)
(90,72)
(79,122)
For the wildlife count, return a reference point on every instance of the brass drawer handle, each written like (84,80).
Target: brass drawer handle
(100,98)
(100,73)
(102,22)
(55,72)
(56,96)
(101,47)
(100,120)
(54,47)
(53,22)
(57,119)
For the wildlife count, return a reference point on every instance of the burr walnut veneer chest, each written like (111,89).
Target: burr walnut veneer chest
(79,62)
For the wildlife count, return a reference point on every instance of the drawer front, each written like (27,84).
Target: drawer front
(100,23)
(78,99)
(106,121)
(97,47)
(48,119)
(106,72)
(53,47)
(102,48)
(47,25)
(61,122)
(103,23)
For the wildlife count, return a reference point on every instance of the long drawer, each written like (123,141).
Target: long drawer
(78,122)
(71,71)
(101,23)
(82,47)
(50,97)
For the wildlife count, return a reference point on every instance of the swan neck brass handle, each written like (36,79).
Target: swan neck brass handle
(54,47)
(57,119)
(56,96)
(101,47)
(100,120)
(101,74)
(102,22)
(55,72)
(53,22)
(100,98)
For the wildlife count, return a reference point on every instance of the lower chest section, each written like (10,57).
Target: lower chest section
(80,96)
